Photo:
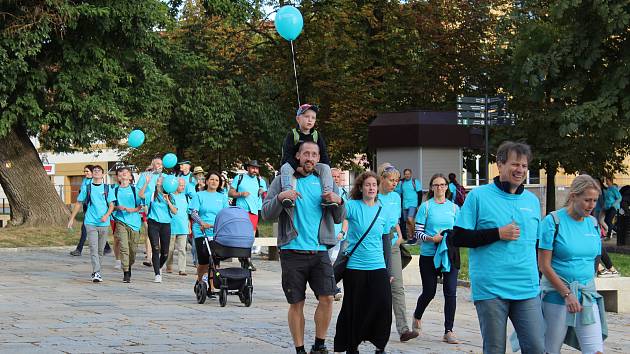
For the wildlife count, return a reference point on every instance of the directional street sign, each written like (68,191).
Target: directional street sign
(465,114)
(471,107)
(464,99)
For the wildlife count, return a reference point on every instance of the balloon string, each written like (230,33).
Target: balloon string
(297,87)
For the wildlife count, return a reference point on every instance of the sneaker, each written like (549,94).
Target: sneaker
(450,338)
(147,263)
(158,278)
(205,280)
(183,273)
(126,277)
(96,278)
(607,273)
(75,253)
(408,335)
(320,350)
(287,203)
(251,266)
(338,294)
(107,251)
(416,325)
(118,264)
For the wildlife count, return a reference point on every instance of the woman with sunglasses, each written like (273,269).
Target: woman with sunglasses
(435,215)
(392,208)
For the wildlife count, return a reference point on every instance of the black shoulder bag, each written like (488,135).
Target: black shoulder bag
(342,260)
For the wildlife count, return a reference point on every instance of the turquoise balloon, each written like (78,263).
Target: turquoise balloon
(289,22)
(169,160)
(136,138)
(170,183)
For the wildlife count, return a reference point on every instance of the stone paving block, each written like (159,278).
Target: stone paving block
(77,316)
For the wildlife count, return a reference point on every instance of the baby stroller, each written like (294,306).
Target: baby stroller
(233,237)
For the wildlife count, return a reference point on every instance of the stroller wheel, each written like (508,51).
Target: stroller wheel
(223,297)
(249,294)
(201,291)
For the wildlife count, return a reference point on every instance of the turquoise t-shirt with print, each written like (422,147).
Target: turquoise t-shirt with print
(435,217)
(191,184)
(392,208)
(408,192)
(369,254)
(97,206)
(150,191)
(252,203)
(179,222)
(125,197)
(307,215)
(208,205)
(574,250)
(159,210)
(504,269)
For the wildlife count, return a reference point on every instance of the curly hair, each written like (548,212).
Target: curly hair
(357,190)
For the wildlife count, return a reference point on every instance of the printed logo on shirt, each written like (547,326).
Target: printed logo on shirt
(526,209)
(591,235)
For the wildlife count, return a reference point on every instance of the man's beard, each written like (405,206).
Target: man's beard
(308,167)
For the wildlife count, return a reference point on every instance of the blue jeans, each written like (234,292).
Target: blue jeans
(526,316)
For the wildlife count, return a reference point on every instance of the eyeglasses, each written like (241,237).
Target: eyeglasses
(441,185)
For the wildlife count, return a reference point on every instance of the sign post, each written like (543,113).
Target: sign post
(485,111)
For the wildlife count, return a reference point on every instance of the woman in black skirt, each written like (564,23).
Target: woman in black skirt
(366,312)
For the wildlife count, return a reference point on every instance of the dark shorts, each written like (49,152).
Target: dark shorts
(299,268)
(203,257)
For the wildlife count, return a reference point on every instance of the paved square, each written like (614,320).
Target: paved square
(49,305)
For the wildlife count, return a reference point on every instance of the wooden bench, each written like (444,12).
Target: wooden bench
(616,293)
(270,242)
(4,220)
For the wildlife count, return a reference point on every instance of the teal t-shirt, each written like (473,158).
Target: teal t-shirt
(179,222)
(392,208)
(148,193)
(159,210)
(208,205)
(453,188)
(574,250)
(252,203)
(127,199)
(409,193)
(191,183)
(97,206)
(369,254)
(504,269)
(307,215)
(435,217)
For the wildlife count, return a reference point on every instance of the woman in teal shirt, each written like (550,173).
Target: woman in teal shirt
(203,209)
(569,243)
(366,312)
(435,215)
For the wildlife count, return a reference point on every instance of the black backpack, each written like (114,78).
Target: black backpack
(238,184)
(88,198)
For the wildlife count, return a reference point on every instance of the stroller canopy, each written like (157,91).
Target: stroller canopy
(232,228)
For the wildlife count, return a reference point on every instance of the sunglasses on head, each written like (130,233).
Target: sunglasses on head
(388,169)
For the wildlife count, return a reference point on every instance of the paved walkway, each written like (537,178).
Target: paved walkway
(49,305)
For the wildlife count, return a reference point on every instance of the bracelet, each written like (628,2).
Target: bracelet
(342,232)
(566,295)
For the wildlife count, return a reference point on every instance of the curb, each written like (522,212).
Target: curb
(24,249)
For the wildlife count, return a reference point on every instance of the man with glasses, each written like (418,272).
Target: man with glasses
(97,197)
(87,173)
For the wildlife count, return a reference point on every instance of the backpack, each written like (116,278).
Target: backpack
(460,195)
(296,136)
(133,190)
(88,198)
(238,184)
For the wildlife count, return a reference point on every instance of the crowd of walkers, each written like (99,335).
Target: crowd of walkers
(538,272)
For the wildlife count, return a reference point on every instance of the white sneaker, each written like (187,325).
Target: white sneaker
(205,280)
(158,278)
(96,277)
(118,264)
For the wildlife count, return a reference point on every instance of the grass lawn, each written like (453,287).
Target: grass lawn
(621,263)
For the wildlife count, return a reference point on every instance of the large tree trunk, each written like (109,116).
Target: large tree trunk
(551,190)
(32,197)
